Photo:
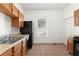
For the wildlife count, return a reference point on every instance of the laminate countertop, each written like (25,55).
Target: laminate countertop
(5,47)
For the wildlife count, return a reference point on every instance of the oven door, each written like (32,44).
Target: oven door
(75,48)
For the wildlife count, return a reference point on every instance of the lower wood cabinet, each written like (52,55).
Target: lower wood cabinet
(70,45)
(24,47)
(24,51)
(19,49)
(8,53)
(18,52)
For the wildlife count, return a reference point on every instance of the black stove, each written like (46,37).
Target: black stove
(76,46)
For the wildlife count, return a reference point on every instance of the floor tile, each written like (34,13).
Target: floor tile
(48,50)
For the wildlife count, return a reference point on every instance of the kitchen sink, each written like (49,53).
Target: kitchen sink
(7,42)
(10,40)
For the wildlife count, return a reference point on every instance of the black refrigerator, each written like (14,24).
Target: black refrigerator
(27,29)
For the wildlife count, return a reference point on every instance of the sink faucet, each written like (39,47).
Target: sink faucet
(10,37)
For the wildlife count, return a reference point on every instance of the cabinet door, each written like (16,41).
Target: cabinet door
(17,49)
(70,46)
(24,47)
(18,22)
(17,52)
(76,17)
(15,12)
(6,5)
(6,8)
(24,41)
(24,50)
(17,46)
(21,19)
(8,53)
(15,22)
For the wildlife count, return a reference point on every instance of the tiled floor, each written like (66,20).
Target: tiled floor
(48,50)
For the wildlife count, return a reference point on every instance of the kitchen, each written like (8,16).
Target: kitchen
(52,33)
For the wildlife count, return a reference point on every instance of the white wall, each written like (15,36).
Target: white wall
(5,24)
(70,29)
(54,29)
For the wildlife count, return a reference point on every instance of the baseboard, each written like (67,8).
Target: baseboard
(51,43)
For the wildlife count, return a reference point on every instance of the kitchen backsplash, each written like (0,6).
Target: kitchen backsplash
(5,24)
(14,30)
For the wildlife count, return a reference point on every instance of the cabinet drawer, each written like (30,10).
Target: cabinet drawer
(8,53)
(17,46)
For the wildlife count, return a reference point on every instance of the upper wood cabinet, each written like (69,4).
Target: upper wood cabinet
(21,19)
(76,17)
(18,22)
(15,22)
(11,10)
(6,8)
(15,12)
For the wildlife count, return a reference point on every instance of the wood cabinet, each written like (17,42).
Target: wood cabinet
(15,22)
(18,22)
(20,49)
(17,49)
(8,53)
(11,10)
(24,47)
(70,45)
(21,19)
(15,12)
(24,52)
(5,8)
(18,52)
(76,17)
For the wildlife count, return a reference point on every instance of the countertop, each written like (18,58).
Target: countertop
(5,47)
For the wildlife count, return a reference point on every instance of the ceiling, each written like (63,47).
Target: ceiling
(44,6)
